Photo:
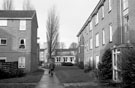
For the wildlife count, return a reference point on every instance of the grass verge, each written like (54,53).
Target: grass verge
(71,74)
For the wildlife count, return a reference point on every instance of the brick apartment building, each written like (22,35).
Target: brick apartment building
(18,38)
(111,23)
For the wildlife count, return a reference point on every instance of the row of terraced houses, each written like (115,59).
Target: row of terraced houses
(112,23)
(18,38)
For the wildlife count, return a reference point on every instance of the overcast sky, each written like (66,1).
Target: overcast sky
(72,14)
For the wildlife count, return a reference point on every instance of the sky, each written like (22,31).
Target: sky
(72,14)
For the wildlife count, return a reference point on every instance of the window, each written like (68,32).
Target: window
(79,49)
(22,24)
(91,26)
(21,62)
(22,44)
(3,22)
(91,61)
(3,41)
(71,59)
(125,4)
(91,45)
(110,5)
(103,36)
(3,59)
(103,14)
(110,33)
(96,19)
(97,39)
(97,61)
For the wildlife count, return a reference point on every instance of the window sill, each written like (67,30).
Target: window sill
(3,44)
(110,11)
(110,41)
(96,24)
(97,47)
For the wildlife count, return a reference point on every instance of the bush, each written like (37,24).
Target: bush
(87,69)
(128,67)
(67,64)
(12,73)
(105,67)
(81,65)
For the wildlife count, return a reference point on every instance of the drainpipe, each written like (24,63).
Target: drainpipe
(121,24)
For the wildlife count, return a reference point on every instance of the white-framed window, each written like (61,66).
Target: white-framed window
(110,5)
(91,60)
(103,13)
(110,33)
(91,27)
(71,59)
(96,19)
(103,36)
(97,39)
(3,22)
(22,24)
(97,61)
(3,59)
(79,49)
(21,62)
(22,43)
(125,4)
(91,43)
(3,41)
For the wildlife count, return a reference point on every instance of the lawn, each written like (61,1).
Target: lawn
(88,87)
(30,79)
(71,74)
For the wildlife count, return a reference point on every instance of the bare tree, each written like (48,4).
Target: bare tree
(52,31)
(7,5)
(27,5)
(62,45)
(73,45)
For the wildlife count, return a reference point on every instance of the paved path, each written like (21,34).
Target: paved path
(49,82)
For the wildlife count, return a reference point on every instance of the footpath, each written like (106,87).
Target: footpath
(49,82)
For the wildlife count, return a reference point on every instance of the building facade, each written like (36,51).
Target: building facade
(110,24)
(18,38)
(65,55)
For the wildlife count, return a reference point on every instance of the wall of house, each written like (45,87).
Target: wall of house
(80,51)
(11,51)
(34,55)
(110,17)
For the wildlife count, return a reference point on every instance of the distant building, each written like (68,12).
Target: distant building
(18,38)
(65,55)
(111,23)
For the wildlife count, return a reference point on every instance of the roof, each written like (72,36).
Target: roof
(100,3)
(12,14)
(62,50)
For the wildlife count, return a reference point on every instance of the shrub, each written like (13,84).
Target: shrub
(81,65)
(105,67)
(87,69)
(128,67)
(67,64)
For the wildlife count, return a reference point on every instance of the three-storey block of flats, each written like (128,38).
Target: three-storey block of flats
(18,38)
(111,23)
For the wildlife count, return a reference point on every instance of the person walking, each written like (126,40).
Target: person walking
(51,68)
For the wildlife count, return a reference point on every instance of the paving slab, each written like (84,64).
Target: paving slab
(49,82)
